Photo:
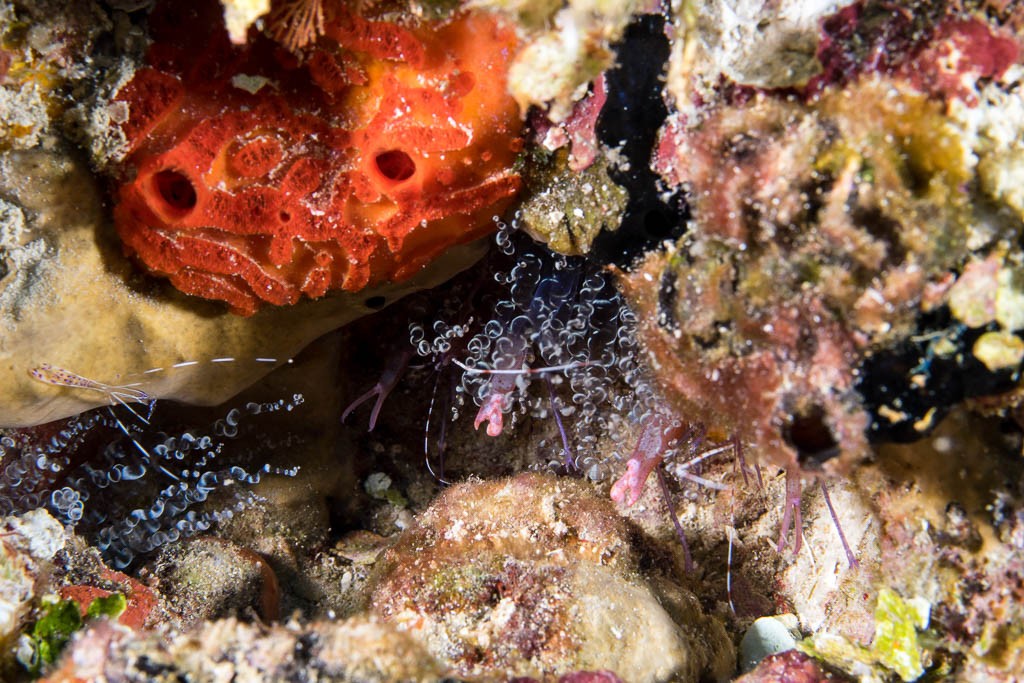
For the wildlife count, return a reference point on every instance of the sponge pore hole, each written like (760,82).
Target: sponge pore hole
(395,165)
(176,191)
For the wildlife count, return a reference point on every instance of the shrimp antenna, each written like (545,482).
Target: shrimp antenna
(521,371)
(439,475)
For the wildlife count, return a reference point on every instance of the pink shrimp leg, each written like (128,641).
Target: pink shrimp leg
(393,372)
(791,518)
(650,449)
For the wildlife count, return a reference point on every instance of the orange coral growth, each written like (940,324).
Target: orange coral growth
(257,176)
(141,600)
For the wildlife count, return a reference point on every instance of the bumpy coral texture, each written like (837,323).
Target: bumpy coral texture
(258,176)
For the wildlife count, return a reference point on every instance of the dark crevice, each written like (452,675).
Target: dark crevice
(812,438)
(629,122)
(908,388)
(375,302)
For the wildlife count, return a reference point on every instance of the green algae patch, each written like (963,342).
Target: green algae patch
(895,649)
(897,622)
(60,619)
(41,647)
(110,606)
(568,209)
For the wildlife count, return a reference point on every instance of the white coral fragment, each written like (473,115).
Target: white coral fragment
(239,15)
(996,129)
(556,63)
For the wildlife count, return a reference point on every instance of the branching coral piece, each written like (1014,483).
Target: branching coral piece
(296,23)
(254,178)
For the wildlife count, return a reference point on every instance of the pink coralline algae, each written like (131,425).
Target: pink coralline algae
(964,51)
(820,228)
(944,56)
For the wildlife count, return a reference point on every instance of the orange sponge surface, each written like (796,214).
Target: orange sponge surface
(258,176)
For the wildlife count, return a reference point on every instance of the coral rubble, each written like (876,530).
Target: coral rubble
(360,649)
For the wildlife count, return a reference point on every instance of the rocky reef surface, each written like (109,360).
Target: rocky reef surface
(731,292)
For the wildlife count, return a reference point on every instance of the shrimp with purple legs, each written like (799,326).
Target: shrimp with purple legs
(534,326)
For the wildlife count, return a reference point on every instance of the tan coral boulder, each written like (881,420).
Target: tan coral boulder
(535,576)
